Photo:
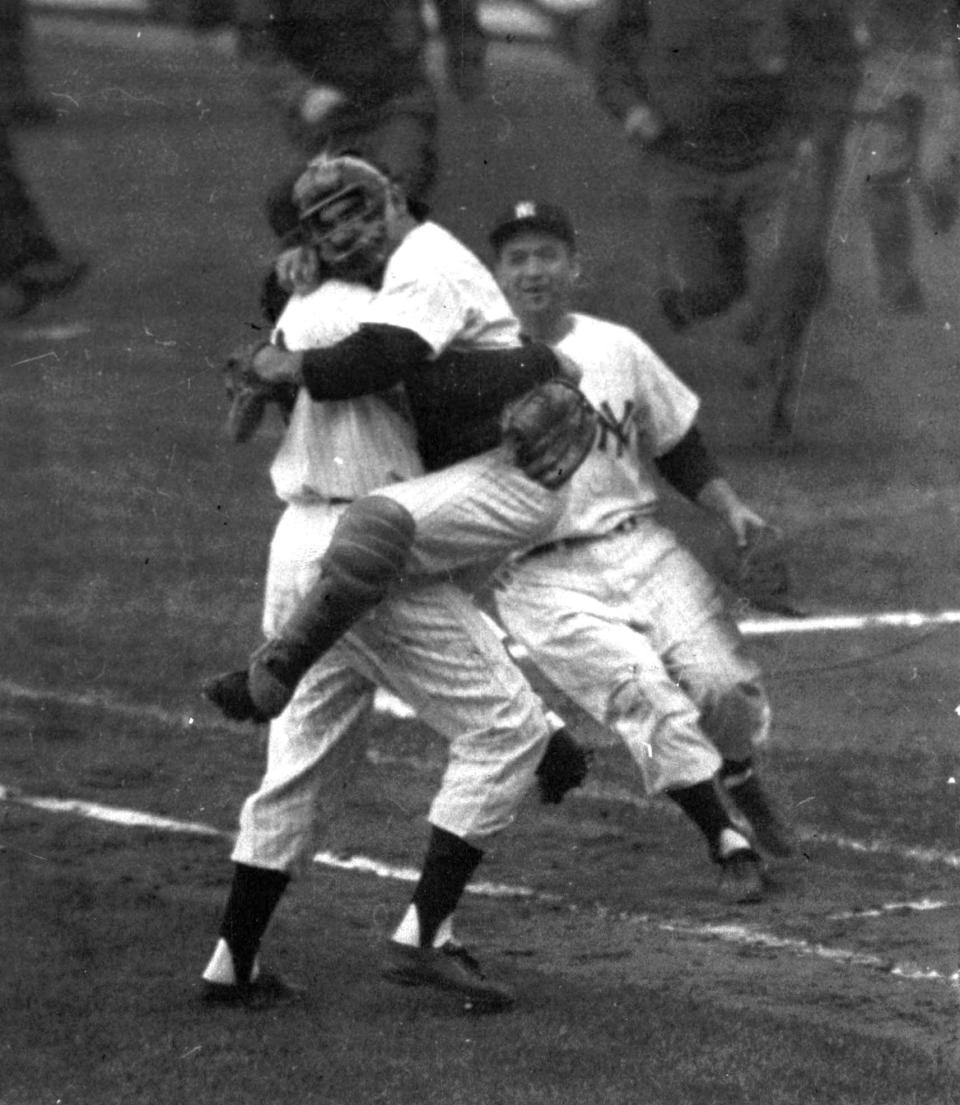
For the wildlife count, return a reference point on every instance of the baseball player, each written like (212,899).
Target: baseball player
(737,113)
(439,324)
(611,607)
(910,107)
(427,642)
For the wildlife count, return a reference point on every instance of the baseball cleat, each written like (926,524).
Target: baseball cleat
(450,968)
(230,693)
(740,878)
(266,991)
(771,834)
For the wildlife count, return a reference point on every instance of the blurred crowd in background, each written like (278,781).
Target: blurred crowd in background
(741,114)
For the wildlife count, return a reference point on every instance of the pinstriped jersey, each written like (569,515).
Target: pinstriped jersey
(432,285)
(438,288)
(645,410)
(346,448)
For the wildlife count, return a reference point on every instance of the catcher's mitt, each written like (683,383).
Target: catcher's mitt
(249,396)
(564,765)
(551,430)
(762,573)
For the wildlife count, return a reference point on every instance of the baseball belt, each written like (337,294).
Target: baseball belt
(628,525)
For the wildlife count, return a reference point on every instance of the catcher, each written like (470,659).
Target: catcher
(611,607)
(501,426)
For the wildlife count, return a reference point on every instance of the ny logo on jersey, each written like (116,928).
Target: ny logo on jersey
(626,431)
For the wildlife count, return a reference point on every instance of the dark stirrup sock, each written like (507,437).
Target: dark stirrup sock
(702,805)
(447,868)
(733,772)
(253,897)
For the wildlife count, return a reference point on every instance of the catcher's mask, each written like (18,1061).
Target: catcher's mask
(343,207)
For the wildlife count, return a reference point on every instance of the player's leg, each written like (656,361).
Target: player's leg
(313,752)
(891,145)
(365,552)
(702,650)
(481,509)
(578,631)
(432,647)
(403,140)
(700,252)
(785,205)
(32,266)
(938,157)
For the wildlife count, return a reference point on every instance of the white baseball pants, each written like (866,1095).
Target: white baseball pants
(429,645)
(636,632)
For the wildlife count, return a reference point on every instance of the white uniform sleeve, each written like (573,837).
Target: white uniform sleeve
(669,408)
(429,303)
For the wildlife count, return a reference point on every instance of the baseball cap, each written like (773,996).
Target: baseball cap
(532,215)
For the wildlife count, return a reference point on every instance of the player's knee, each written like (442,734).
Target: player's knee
(628,701)
(738,718)
(370,546)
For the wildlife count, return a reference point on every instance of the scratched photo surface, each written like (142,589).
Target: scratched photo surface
(134,544)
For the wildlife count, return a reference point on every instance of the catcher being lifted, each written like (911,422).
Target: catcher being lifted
(501,425)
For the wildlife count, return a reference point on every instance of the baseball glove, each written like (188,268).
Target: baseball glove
(564,765)
(249,396)
(551,430)
(762,573)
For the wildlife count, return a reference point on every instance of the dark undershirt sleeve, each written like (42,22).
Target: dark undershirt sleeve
(373,359)
(688,466)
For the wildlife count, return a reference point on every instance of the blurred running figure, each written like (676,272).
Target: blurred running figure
(352,77)
(738,110)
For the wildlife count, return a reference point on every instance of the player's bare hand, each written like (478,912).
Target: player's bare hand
(720,498)
(318,102)
(298,269)
(746,524)
(275,365)
(643,124)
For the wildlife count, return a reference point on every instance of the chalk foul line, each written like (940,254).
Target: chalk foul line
(744,935)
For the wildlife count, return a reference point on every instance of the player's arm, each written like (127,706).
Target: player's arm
(618,70)
(452,387)
(692,470)
(371,360)
(457,398)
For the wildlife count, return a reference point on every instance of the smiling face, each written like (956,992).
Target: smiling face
(537,272)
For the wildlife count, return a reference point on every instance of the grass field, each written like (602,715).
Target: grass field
(132,550)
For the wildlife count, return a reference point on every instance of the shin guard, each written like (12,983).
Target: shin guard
(367,553)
